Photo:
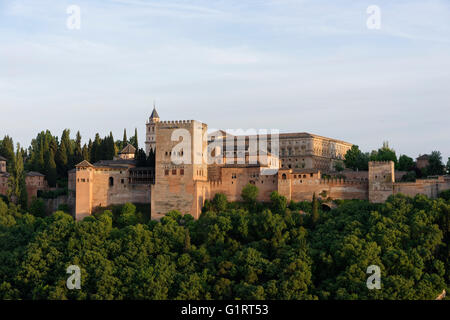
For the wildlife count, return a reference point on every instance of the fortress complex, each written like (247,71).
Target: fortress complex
(191,166)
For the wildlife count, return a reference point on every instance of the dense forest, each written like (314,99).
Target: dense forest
(239,250)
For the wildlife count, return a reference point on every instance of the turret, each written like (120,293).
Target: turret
(2,164)
(150,141)
(381,180)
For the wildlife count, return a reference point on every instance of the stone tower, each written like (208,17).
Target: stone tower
(84,189)
(2,164)
(181,169)
(150,141)
(381,180)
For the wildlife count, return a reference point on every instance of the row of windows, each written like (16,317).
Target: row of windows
(200,173)
(174,172)
(297,177)
(180,153)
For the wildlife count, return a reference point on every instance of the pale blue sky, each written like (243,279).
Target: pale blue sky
(293,65)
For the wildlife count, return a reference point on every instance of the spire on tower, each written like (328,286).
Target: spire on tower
(154,114)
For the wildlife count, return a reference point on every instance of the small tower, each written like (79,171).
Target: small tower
(150,141)
(381,180)
(2,164)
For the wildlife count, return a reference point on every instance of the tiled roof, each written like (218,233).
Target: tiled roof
(154,113)
(129,149)
(84,163)
(35,174)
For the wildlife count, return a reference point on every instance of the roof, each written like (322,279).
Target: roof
(118,164)
(154,113)
(423,157)
(129,149)
(220,134)
(35,174)
(2,159)
(297,170)
(84,163)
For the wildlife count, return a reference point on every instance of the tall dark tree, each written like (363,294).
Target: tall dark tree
(151,158)
(356,160)
(385,153)
(78,151)
(7,151)
(124,140)
(61,160)
(141,158)
(96,151)
(405,163)
(50,168)
(315,210)
(86,153)
(435,165)
(65,140)
(89,149)
(134,139)
(17,190)
(110,149)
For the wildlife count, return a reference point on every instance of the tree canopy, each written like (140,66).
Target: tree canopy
(233,251)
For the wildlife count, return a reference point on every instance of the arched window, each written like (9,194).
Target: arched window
(283,176)
(111,181)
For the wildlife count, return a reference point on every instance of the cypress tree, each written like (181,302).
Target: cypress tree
(315,210)
(61,160)
(187,241)
(89,149)
(78,152)
(17,190)
(110,147)
(85,153)
(125,139)
(50,168)
(96,149)
(7,151)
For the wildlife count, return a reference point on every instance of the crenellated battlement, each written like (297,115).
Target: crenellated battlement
(380,163)
(215,183)
(176,121)
(340,181)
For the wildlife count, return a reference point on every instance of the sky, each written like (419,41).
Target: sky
(293,65)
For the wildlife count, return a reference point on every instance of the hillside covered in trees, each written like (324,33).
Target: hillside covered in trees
(245,250)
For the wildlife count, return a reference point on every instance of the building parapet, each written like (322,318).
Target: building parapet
(175,121)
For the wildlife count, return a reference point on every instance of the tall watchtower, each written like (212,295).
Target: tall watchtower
(181,170)
(84,189)
(150,141)
(381,180)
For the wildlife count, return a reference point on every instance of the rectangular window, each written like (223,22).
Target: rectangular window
(181,172)
(174,172)
(166,172)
